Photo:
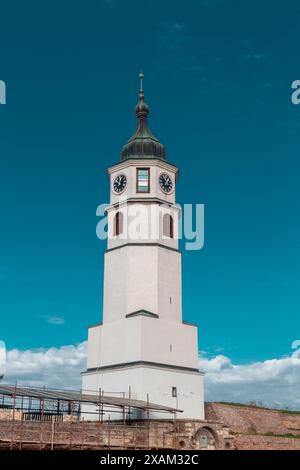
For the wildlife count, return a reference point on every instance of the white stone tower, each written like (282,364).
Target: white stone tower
(143,347)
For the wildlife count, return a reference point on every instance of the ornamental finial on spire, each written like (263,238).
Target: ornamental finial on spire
(141,76)
(142,109)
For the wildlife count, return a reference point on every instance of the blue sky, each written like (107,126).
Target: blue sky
(218,80)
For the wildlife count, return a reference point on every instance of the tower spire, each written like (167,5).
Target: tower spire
(143,144)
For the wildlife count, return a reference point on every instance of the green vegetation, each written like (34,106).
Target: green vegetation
(268,434)
(295,412)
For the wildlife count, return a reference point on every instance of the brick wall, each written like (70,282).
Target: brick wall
(9,414)
(249,426)
(225,427)
(246,419)
(252,442)
(164,434)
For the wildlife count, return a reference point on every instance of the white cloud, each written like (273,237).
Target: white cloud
(270,85)
(195,68)
(174,27)
(275,382)
(54,320)
(255,57)
(111,3)
(54,367)
(172,34)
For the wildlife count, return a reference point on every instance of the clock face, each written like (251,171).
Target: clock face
(165,183)
(120,183)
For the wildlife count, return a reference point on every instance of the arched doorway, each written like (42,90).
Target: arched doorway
(206,439)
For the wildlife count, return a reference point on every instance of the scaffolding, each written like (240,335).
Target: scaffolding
(40,418)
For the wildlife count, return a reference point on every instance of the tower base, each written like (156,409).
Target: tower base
(177,387)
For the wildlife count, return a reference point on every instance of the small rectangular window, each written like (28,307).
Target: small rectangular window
(143,180)
(174,392)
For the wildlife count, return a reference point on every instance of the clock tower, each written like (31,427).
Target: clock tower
(143,348)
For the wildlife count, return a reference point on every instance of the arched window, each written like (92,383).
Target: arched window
(168,226)
(118,224)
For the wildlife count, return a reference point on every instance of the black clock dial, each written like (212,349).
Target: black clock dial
(165,183)
(120,183)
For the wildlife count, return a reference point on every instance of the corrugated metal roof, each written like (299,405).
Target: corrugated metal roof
(49,394)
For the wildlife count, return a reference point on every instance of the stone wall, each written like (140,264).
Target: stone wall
(257,428)
(253,420)
(153,434)
(252,442)
(226,427)
(10,414)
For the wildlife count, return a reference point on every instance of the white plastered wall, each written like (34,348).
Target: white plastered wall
(142,277)
(142,338)
(154,384)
